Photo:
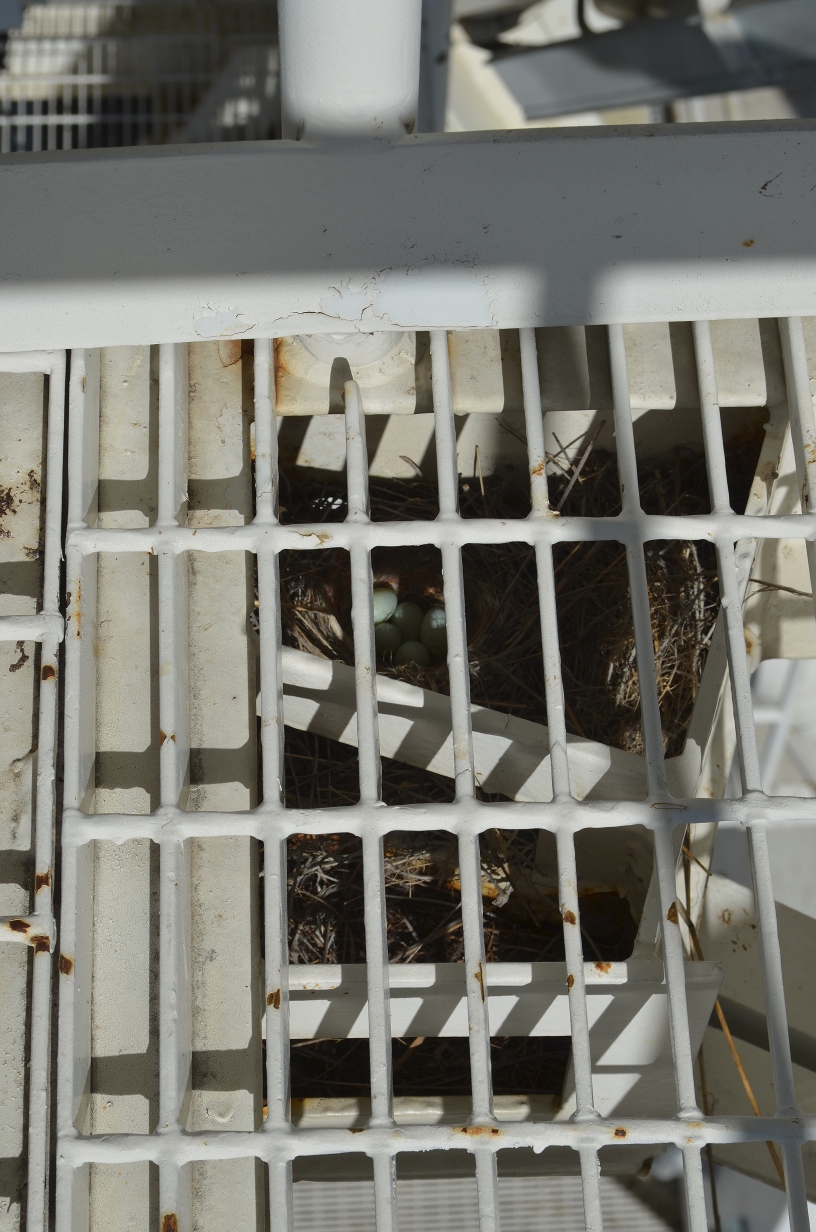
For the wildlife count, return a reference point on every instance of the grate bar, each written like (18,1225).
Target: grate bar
(368,743)
(178,1149)
(599,814)
(276,966)
(469,856)
(664,854)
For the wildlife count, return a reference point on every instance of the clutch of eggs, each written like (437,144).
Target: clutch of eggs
(404,630)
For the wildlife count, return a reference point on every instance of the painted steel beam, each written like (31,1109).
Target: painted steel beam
(466,231)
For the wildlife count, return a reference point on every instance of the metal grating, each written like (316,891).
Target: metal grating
(102,75)
(31,637)
(170,1150)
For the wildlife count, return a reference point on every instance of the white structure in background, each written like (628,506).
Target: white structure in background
(82,76)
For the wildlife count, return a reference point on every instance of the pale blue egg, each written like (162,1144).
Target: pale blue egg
(384,603)
(386,637)
(408,619)
(434,633)
(412,652)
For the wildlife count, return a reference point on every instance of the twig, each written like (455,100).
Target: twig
(411,462)
(577,471)
(398,1064)
(803,594)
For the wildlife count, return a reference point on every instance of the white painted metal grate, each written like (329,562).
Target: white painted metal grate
(31,630)
(167,1150)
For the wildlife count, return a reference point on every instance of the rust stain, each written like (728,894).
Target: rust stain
(41,943)
(162,737)
(19,926)
(321,536)
(671,914)
(476,1131)
(41,880)
(570,980)
(569,917)
(169,1222)
(725,915)
(620,1132)
(66,964)
(173,737)
(538,469)
(479,976)
(77,612)
(749,645)
(23,659)
(748,243)
(229,353)
(48,672)
(273,999)
(603,967)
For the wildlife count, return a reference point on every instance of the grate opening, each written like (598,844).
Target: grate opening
(325,898)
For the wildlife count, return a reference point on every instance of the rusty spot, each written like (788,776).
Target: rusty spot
(620,1132)
(475,1131)
(162,737)
(321,536)
(273,999)
(570,980)
(538,469)
(749,645)
(48,672)
(725,915)
(41,880)
(356,1131)
(748,243)
(569,917)
(173,737)
(671,914)
(169,1222)
(19,926)
(77,608)
(229,353)
(23,659)
(603,967)
(66,964)
(41,943)
(479,976)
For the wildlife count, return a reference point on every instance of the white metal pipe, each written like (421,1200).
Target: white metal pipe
(349,68)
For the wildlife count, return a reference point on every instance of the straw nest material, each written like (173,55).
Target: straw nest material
(601,686)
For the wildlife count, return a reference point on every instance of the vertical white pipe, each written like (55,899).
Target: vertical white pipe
(349,68)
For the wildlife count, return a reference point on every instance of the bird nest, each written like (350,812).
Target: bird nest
(602,695)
